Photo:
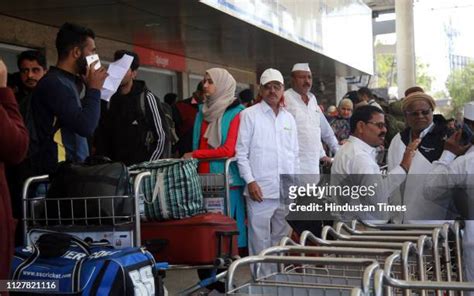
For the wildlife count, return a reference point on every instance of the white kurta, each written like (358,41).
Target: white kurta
(312,127)
(267,146)
(448,173)
(411,193)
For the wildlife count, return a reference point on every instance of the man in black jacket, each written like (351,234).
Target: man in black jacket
(133,129)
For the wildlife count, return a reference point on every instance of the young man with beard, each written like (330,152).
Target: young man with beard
(62,120)
(32,67)
(134,128)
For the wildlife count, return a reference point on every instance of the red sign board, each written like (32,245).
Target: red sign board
(160,59)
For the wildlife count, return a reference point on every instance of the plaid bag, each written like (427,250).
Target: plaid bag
(173,191)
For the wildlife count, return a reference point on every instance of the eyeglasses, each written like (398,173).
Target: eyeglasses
(380,125)
(275,86)
(418,112)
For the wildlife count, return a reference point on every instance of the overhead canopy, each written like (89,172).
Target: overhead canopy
(182,27)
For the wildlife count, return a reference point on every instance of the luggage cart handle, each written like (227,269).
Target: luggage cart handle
(327,250)
(309,236)
(286,241)
(390,238)
(381,279)
(30,181)
(136,191)
(26,187)
(408,249)
(396,226)
(372,265)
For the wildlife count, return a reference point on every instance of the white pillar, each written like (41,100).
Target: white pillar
(405,45)
(341,88)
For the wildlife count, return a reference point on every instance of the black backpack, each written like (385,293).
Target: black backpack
(167,124)
(96,177)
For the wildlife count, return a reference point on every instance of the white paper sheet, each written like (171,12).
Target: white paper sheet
(116,71)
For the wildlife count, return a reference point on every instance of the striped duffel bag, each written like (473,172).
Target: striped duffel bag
(172,192)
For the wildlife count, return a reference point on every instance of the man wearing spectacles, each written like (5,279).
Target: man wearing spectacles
(356,157)
(267,146)
(431,129)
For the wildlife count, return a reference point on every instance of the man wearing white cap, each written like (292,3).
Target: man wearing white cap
(267,146)
(310,120)
(450,172)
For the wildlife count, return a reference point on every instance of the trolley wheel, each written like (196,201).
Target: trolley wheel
(206,273)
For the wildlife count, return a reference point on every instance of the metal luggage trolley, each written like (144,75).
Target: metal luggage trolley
(346,275)
(384,282)
(399,264)
(344,267)
(84,217)
(409,265)
(435,236)
(216,195)
(449,253)
(304,284)
(215,188)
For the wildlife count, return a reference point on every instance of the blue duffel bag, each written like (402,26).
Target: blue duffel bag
(67,265)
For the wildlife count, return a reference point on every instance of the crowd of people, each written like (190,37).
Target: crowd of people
(278,131)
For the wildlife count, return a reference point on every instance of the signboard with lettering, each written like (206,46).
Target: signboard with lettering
(155,58)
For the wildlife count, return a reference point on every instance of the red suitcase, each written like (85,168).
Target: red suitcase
(192,241)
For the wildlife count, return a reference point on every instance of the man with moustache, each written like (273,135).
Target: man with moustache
(133,129)
(32,67)
(267,146)
(356,161)
(432,130)
(62,120)
(310,120)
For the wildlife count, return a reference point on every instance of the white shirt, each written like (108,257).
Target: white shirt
(411,193)
(267,146)
(358,158)
(312,126)
(448,173)
(397,149)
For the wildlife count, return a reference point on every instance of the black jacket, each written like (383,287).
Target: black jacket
(133,128)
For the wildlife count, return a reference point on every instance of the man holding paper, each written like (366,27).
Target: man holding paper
(133,129)
(62,120)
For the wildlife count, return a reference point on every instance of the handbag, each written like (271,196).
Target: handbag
(173,191)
